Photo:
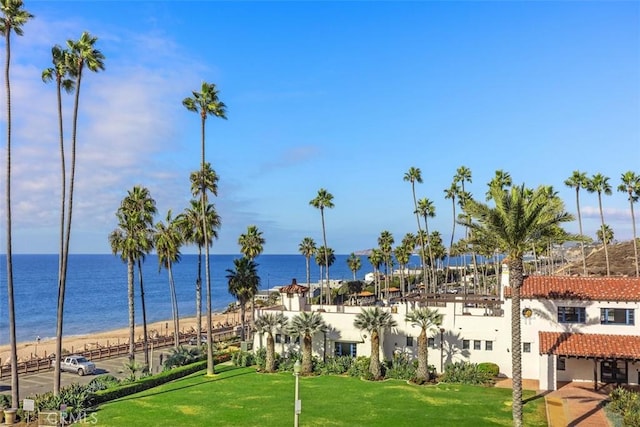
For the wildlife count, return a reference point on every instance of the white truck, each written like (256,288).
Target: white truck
(76,364)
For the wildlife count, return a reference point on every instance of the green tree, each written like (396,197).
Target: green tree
(251,243)
(269,324)
(376,259)
(168,240)
(375,321)
(451,193)
(605,234)
(13,18)
(206,103)
(427,210)
(308,249)
(428,321)
(244,283)
(385,245)
(599,184)
(519,218)
(630,184)
(325,257)
(579,180)
(305,325)
(402,254)
(414,175)
(324,200)
(500,180)
(130,239)
(355,263)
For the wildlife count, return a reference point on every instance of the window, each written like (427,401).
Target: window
(571,315)
(526,347)
(287,339)
(431,342)
(477,344)
(278,338)
(465,344)
(616,316)
(561,364)
(409,341)
(488,345)
(345,349)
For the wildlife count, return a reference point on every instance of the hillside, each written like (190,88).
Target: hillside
(621,260)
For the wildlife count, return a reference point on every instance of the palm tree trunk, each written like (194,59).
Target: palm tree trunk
(174,307)
(199,295)
(306,355)
(584,258)
(308,261)
(453,231)
(243,310)
(423,356)
(374,365)
(145,335)
(203,195)
(132,323)
(326,260)
(270,359)
(516,277)
(635,240)
(415,205)
(604,235)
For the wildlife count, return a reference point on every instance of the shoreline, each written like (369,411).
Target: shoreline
(28,350)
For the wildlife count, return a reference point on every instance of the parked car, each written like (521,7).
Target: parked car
(76,364)
(194,340)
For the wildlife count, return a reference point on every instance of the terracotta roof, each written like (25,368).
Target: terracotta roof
(293,288)
(590,345)
(580,288)
(364,294)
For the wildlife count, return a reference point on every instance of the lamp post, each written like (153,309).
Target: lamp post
(37,342)
(441,350)
(297,407)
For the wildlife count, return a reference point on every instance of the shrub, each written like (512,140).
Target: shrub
(243,358)
(182,356)
(260,356)
(102,382)
(465,373)
(400,367)
(336,365)
(490,368)
(359,367)
(626,404)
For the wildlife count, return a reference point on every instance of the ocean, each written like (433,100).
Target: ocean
(96,294)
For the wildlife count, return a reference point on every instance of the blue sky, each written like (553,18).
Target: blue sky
(345,96)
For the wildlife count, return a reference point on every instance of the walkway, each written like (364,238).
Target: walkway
(573,404)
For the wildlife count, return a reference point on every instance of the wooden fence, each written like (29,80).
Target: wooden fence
(104,352)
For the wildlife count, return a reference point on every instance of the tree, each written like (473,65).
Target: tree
(385,244)
(251,243)
(414,175)
(630,184)
(244,283)
(605,234)
(271,323)
(168,239)
(451,193)
(307,248)
(519,218)
(427,210)
(325,258)
(599,184)
(500,180)
(130,239)
(305,325)
(324,200)
(428,321)
(579,180)
(402,254)
(13,18)
(375,259)
(375,321)
(355,263)
(206,103)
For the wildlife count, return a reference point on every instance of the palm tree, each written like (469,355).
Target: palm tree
(517,220)
(428,320)
(579,180)
(355,263)
(168,240)
(306,325)
(244,282)
(427,210)
(13,18)
(375,259)
(599,183)
(414,175)
(385,244)
(324,200)
(605,234)
(630,184)
(375,321)
(251,243)
(402,254)
(500,180)
(130,239)
(271,323)
(307,248)
(451,193)
(325,257)
(206,103)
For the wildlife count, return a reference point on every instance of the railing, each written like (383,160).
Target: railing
(104,352)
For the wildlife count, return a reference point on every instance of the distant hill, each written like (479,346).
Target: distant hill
(621,260)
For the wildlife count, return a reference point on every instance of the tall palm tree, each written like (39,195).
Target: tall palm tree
(414,175)
(630,184)
(428,320)
(402,254)
(517,220)
(206,103)
(599,183)
(355,263)
(385,244)
(375,321)
(244,283)
(605,234)
(305,325)
(324,200)
(376,259)
(325,257)
(427,210)
(130,239)
(579,180)
(500,180)
(168,239)
(308,249)
(271,323)
(451,193)
(251,243)
(13,18)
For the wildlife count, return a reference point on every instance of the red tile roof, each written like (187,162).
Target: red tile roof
(580,288)
(293,288)
(590,345)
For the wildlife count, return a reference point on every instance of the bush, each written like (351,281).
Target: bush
(102,382)
(182,356)
(465,373)
(336,365)
(243,358)
(261,359)
(490,368)
(360,368)
(626,404)
(400,367)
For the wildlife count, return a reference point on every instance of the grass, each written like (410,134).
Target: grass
(242,397)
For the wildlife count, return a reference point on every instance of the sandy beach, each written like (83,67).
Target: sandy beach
(33,349)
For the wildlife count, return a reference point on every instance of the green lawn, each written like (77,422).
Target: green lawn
(242,397)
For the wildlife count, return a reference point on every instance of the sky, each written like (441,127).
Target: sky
(345,96)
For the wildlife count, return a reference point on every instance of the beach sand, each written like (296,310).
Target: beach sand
(76,343)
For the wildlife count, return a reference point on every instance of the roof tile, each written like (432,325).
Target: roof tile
(590,345)
(580,288)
